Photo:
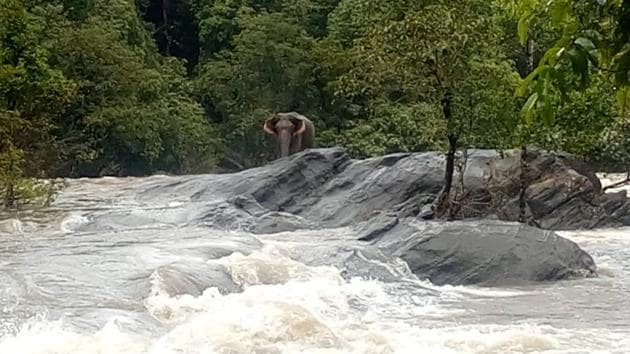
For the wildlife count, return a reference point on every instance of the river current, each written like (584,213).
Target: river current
(105,271)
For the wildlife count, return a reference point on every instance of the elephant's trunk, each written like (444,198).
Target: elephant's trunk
(284,138)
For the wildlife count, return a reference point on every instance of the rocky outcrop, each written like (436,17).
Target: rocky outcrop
(562,193)
(325,186)
(386,202)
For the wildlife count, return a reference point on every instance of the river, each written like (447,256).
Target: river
(103,270)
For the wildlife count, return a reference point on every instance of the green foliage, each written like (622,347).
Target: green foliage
(15,189)
(31,94)
(219,21)
(432,53)
(589,35)
(133,113)
(616,143)
(270,69)
(89,88)
(83,91)
(394,128)
(582,116)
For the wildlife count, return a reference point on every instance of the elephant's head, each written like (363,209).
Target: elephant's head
(284,127)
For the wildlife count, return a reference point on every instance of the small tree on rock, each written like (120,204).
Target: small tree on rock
(446,54)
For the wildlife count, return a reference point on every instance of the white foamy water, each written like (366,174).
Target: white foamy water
(608,179)
(105,272)
(10,226)
(73,222)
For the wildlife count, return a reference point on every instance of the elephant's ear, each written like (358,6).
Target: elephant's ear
(299,124)
(269,125)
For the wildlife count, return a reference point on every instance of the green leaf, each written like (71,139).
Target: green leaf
(552,54)
(522,29)
(527,112)
(546,106)
(593,57)
(593,35)
(559,11)
(522,89)
(579,62)
(586,44)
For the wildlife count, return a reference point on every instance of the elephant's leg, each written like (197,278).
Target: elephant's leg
(296,144)
(278,148)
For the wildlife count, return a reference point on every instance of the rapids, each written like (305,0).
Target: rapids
(105,271)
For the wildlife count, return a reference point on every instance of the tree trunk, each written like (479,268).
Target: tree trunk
(9,196)
(11,102)
(530,56)
(167,37)
(450,163)
(523,183)
(462,171)
(9,193)
(442,204)
(522,201)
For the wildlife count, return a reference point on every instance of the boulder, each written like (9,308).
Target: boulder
(479,252)
(484,252)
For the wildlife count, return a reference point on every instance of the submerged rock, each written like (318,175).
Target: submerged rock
(193,278)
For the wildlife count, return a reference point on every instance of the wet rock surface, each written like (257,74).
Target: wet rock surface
(385,202)
(484,252)
(326,187)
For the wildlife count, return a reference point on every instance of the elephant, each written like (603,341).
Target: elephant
(293,132)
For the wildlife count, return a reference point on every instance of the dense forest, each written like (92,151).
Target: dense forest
(123,87)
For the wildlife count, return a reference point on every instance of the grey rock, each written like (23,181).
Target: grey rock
(385,200)
(485,252)
(326,187)
(275,222)
(377,226)
(193,278)
(354,260)
(248,204)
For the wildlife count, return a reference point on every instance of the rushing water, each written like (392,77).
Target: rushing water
(104,271)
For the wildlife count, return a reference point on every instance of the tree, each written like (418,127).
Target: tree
(590,35)
(271,68)
(31,94)
(616,143)
(219,21)
(175,28)
(134,112)
(445,55)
